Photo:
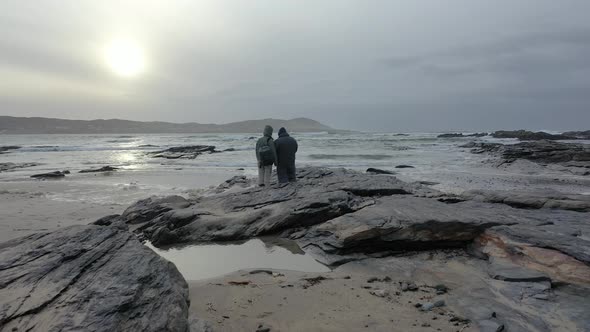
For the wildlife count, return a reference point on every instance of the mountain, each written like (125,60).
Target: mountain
(36,125)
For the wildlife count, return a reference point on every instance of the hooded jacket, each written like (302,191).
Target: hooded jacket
(266,139)
(286,148)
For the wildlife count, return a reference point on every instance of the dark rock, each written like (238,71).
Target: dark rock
(408,286)
(152,207)
(89,278)
(441,288)
(532,200)
(6,148)
(404,166)
(525,135)
(113,220)
(455,135)
(239,181)
(543,152)
(450,135)
(183,152)
(578,134)
(50,175)
(258,211)
(379,171)
(102,169)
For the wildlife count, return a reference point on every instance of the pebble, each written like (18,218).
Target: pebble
(429,306)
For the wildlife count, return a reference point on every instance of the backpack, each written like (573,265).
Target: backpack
(266,156)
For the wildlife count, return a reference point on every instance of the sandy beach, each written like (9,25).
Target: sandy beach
(342,300)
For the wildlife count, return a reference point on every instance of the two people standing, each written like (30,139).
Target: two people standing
(280,153)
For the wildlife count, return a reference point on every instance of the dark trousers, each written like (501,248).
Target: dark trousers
(286,173)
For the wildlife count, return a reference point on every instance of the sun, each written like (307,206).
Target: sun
(124,57)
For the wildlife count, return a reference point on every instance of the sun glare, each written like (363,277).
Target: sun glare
(125,58)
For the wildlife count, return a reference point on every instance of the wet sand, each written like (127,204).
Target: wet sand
(28,206)
(341,300)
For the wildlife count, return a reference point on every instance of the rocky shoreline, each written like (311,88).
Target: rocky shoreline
(514,261)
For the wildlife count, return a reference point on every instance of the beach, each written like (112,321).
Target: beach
(239,280)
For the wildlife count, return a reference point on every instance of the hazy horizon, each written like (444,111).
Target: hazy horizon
(392,66)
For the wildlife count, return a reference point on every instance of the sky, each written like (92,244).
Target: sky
(375,65)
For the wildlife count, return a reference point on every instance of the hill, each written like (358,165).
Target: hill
(37,125)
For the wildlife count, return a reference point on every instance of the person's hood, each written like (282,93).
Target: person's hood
(283,132)
(267,131)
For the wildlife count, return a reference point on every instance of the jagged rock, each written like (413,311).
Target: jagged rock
(102,169)
(183,152)
(51,175)
(318,195)
(379,171)
(525,135)
(113,220)
(398,224)
(89,278)
(149,208)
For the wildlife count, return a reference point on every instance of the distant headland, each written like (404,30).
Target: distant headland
(38,125)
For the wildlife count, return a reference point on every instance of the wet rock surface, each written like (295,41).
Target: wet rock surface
(51,175)
(89,278)
(526,135)
(379,171)
(102,169)
(532,200)
(543,152)
(183,152)
(8,148)
(455,135)
(318,196)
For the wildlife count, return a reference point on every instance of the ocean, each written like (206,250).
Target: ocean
(433,159)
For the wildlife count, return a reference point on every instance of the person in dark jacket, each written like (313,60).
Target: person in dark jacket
(286,148)
(266,154)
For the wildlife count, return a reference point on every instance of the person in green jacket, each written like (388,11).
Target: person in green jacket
(266,154)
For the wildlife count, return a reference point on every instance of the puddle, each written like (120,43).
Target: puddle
(203,261)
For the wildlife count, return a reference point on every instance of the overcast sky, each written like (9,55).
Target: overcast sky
(389,65)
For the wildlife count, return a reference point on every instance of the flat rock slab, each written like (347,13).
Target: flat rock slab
(543,152)
(532,200)
(102,169)
(318,196)
(503,270)
(51,175)
(183,152)
(89,278)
